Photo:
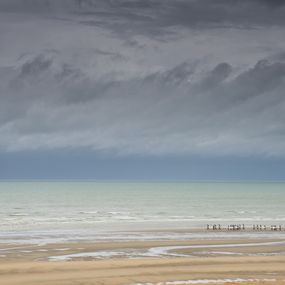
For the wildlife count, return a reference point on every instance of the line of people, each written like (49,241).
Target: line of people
(239,227)
(264,227)
(229,227)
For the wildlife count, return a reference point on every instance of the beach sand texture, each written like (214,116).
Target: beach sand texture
(254,264)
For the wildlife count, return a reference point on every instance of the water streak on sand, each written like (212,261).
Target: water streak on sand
(207,281)
(164,250)
(154,251)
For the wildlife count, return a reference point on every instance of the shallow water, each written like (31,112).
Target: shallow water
(31,210)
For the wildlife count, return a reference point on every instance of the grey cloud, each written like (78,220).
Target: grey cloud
(223,13)
(177,75)
(273,3)
(161,113)
(155,17)
(263,77)
(174,77)
(44,69)
(215,76)
(36,66)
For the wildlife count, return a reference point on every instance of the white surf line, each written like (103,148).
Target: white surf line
(154,251)
(206,281)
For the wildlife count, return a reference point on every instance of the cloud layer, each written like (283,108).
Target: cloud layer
(150,15)
(143,77)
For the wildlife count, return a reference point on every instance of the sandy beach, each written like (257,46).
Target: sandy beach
(260,261)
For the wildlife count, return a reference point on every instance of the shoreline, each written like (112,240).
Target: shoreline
(93,235)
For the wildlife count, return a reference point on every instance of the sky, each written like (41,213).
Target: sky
(142,89)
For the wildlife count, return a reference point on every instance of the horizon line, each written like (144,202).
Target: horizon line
(143,180)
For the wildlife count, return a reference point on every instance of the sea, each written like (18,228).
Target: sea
(57,211)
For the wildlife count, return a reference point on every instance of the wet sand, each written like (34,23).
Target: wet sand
(193,262)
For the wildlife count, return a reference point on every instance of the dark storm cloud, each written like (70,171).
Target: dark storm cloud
(167,112)
(173,77)
(154,16)
(273,3)
(215,76)
(263,77)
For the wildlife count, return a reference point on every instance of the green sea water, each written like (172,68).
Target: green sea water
(60,208)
